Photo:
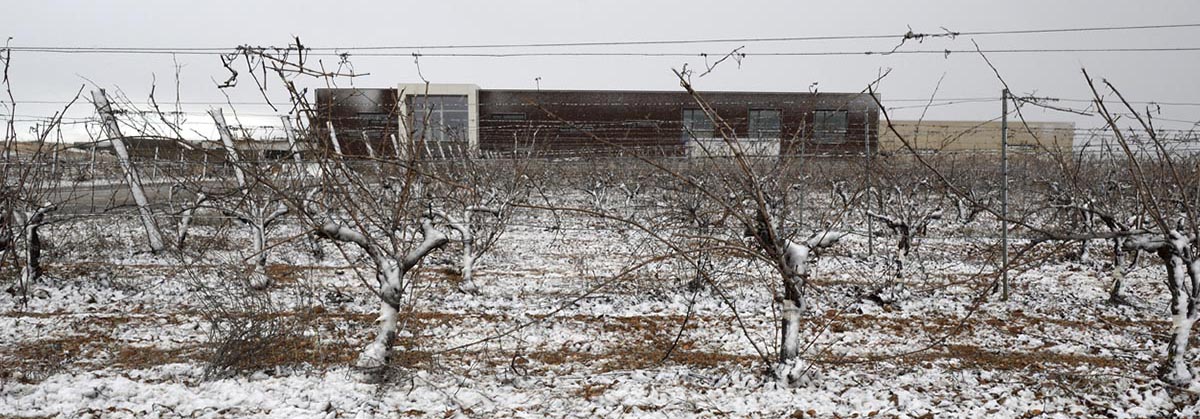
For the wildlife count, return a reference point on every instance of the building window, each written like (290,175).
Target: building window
(696,124)
(439,117)
(829,127)
(764,124)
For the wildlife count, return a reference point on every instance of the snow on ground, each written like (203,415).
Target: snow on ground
(115,333)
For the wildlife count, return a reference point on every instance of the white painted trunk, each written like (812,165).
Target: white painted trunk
(258,276)
(131,174)
(468,256)
(797,258)
(1176,370)
(789,345)
(468,268)
(375,356)
(389,272)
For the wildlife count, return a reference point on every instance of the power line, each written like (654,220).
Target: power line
(907,35)
(944,52)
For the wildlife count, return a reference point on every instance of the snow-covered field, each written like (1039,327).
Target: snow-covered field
(113,333)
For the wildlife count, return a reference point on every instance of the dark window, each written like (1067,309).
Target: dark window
(829,127)
(439,117)
(696,124)
(764,124)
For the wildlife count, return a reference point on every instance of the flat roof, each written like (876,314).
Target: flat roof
(750,92)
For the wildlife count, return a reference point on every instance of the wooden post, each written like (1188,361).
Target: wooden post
(396,145)
(227,140)
(870,223)
(337,147)
(367,142)
(1004,193)
(135,182)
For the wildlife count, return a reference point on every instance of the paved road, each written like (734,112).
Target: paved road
(98,198)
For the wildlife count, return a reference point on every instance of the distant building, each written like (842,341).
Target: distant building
(444,120)
(163,148)
(976,136)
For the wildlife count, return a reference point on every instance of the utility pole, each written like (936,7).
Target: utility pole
(135,182)
(1004,193)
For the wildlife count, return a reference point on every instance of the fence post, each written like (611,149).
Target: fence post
(218,117)
(135,182)
(870,222)
(337,146)
(1004,193)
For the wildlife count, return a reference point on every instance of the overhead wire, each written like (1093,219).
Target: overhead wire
(944,52)
(906,35)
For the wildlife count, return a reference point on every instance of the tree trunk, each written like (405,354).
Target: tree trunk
(788,371)
(389,272)
(904,246)
(791,308)
(789,344)
(375,355)
(1115,292)
(258,277)
(468,271)
(33,254)
(468,257)
(1176,369)
(131,174)
(185,222)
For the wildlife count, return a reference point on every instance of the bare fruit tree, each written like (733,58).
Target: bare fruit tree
(758,221)
(255,204)
(907,213)
(1167,184)
(33,184)
(477,203)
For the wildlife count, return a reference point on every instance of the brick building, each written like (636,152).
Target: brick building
(444,120)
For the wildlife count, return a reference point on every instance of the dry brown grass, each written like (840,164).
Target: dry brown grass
(33,361)
(590,391)
(974,357)
(285,274)
(141,357)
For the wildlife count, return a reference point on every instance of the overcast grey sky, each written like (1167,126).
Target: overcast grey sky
(1157,76)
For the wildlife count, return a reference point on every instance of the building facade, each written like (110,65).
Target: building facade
(976,136)
(444,120)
